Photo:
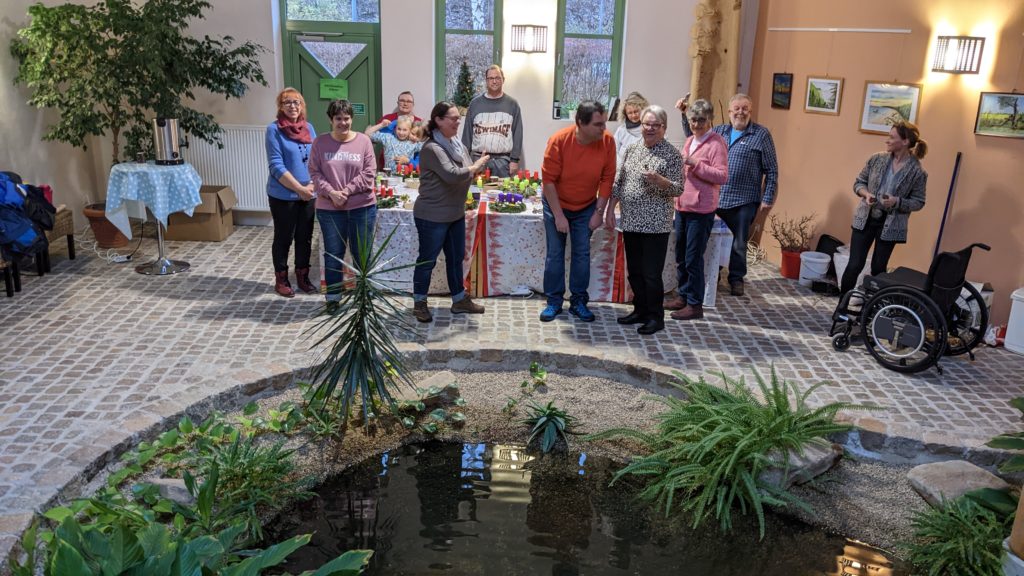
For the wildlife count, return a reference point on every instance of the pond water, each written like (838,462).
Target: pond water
(475,509)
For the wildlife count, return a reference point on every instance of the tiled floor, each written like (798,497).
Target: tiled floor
(94,352)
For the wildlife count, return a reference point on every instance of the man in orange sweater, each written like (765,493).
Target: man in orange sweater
(578,170)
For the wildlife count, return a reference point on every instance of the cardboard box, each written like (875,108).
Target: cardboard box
(212,221)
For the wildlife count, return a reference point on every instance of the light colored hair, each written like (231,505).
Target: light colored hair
(635,99)
(658,112)
(494,67)
(740,96)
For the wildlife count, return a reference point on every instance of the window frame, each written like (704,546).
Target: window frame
(441,33)
(617,37)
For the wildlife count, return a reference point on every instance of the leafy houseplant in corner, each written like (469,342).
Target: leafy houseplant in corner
(794,237)
(109,68)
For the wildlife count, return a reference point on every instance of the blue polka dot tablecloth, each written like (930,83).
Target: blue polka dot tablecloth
(163,189)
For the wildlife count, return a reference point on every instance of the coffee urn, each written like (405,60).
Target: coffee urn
(165,141)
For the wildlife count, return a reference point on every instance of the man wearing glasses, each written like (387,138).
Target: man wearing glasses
(405,106)
(752,184)
(494,126)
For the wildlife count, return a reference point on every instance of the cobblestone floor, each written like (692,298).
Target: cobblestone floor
(95,352)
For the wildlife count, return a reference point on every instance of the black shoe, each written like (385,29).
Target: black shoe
(631,318)
(650,327)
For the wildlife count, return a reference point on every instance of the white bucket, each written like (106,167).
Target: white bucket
(813,266)
(842,259)
(1015,326)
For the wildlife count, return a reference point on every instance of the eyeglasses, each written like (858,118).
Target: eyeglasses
(448,117)
(292,103)
(405,102)
(652,125)
(494,78)
(698,121)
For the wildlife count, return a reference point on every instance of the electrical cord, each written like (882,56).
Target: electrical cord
(87,241)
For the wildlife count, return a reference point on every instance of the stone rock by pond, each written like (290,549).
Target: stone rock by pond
(174,489)
(815,461)
(951,479)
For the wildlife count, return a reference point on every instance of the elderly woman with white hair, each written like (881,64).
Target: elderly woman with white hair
(646,185)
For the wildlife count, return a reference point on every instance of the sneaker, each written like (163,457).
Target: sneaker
(549,313)
(581,311)
(675,302)
(422,312)
(691,312)
(467,306)
(736,287)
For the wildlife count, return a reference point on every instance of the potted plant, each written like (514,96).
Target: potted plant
(111,67)
(794,237)
(570,110)
(464,90)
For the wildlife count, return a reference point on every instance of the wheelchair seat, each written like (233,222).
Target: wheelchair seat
(899,277)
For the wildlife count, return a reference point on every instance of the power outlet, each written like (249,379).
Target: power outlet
(121,258)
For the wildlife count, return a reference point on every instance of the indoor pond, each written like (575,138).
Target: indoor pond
(472,509)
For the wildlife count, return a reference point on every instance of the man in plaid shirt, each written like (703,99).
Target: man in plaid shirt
(753,179)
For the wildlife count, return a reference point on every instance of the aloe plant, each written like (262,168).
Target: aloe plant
(549,424)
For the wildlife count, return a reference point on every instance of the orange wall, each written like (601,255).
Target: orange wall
(819,156)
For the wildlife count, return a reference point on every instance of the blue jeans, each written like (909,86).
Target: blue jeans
(435,237)
(341,229)
(739,220)
(554,261)
(692,233)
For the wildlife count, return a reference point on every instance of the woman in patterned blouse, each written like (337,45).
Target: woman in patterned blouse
(645,187)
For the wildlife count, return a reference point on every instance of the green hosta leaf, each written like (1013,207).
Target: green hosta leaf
(168,438)
(999,501)
(460,402)
(351,563)
(251,408)
(429,428)
(186,426)
(272,556)
(433,391)
(59,513)
(67,560)
(458,417)
(408,422)
(1018,403)
(438,414)
(146,455)
(1008,441)
(1014,464)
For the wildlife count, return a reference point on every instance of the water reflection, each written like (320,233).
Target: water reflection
(470,509)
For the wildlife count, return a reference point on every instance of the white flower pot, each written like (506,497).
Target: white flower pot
(1013,565)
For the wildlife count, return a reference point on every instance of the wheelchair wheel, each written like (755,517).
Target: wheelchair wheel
(967,321)
(840,342)
(903,329)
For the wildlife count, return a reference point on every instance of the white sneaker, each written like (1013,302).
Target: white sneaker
(856,303)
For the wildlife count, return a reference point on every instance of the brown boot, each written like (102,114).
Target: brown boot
(467,306)
(691,312)
(281,284)
(302,280)
(675,302)
(422,312)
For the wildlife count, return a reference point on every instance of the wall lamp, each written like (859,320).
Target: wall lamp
(958,54)
(528,38)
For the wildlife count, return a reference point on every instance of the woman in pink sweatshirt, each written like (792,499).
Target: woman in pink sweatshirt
(343,167)
(705,169)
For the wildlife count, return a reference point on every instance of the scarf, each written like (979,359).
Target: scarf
(297,130)
(456,151)
(631,125)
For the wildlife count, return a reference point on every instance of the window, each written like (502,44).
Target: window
(469,31)
(588,51)
(334,10)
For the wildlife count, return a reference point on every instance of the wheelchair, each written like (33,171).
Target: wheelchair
(908,319)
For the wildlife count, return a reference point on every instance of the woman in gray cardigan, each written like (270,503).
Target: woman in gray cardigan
(890,187)
(440,210)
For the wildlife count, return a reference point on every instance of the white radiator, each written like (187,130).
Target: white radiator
(241,164)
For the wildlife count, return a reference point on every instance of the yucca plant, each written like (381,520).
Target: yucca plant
(549,424)
(709,451)
(359,358)
(961,538)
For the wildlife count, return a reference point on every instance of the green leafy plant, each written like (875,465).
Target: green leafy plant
(112,66)
(360,360)
(959,538)
(709,451)
(549,423)
(1013,441)
(464,88)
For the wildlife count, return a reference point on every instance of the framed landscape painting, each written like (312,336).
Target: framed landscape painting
(823,95)
(1000,114)
(885,103)
(782,90)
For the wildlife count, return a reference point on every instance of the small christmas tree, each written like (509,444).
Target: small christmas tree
(464,91)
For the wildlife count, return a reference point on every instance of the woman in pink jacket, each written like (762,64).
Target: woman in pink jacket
(705,169)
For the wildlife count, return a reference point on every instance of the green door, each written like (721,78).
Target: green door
(351,57)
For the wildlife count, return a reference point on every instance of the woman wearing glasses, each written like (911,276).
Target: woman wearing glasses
(647,183)
(705,165)
(288,140)
(440,210)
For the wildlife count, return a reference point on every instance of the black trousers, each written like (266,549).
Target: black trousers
(645,261)
(860,243)
(293,221)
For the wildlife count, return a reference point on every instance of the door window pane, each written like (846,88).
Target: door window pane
(590,17)
(334,56)
(476,50)
(334,10)
(587,71)
(469,14)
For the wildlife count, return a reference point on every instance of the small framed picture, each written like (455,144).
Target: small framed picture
(824,95)
(886,103)
(1000,114)
(782,90)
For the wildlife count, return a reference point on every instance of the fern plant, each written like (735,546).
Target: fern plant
(360,359)
(549,423)
(708,452)
(959,538)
